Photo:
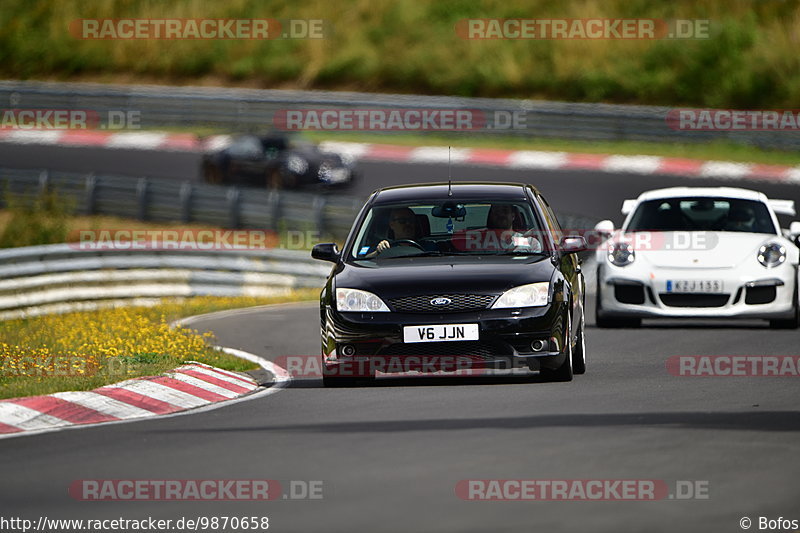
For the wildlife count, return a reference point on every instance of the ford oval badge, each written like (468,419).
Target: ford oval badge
(441,301)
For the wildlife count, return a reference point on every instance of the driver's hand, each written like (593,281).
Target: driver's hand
(383,245)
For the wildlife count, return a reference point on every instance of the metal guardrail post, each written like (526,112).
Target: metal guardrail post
(44,182)
(141,199)
(320,202)
(186,202)
(90,194)
(233,198)
(274,203)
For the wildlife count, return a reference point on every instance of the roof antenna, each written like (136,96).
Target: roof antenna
(449,186)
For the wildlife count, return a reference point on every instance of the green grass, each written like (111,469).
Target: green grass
(410,46)
(86,350)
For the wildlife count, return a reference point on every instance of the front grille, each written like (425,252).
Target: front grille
(694,300)
(481,350)
(458,302)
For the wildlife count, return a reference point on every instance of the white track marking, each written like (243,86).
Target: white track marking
(142,140)
(637,164)
(204,385)
(221,376)
(26,418)
(103,404)
(163,393)
(438,154)
(534,159)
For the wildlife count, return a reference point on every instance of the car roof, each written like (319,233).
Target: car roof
(461,191)
(724,192)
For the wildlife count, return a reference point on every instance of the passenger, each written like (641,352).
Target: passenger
(503,228)
(741,218)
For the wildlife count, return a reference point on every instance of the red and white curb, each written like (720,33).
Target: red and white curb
(519,159)
(190,388)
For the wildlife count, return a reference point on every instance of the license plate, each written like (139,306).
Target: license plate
(441,333)
(696,286)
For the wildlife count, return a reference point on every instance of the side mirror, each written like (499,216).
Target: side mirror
(572,244)
(326,251)
(604,228)
(794,232)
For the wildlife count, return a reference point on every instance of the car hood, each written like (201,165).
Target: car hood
(445,275)
(707,249)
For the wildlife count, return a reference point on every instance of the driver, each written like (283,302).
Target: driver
(403,223)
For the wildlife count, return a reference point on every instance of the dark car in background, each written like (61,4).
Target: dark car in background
(275,160)
(448,273)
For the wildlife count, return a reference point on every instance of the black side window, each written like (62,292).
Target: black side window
(550,219)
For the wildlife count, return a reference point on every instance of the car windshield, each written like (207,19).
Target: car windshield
(448,228)
(702,214)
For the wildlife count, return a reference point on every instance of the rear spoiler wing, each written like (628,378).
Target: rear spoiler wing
(783,207)
(627,206)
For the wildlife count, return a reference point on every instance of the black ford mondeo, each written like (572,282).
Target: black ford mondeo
(461,277)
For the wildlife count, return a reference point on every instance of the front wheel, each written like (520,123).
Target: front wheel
(789,323)
(579,352)
(563,372)
(602,321)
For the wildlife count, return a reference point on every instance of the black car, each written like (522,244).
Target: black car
(450,277)
(275,161)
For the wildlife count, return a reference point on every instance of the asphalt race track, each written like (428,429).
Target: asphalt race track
(390,455)
(593,194)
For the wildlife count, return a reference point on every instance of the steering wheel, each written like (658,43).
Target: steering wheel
(410,243)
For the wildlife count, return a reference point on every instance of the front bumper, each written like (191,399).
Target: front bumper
(505,339)
(767,294)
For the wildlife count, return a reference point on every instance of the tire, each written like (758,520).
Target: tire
(212,174)
(564,372)
(602,321)
(332,382)
(338,381)
(274,180)
(579,352)
(789,323)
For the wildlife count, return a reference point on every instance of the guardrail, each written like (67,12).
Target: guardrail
(167,200)
(37,280)
(254,110)
(170,200)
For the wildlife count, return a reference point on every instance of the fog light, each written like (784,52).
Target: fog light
(537,345)
(348,350)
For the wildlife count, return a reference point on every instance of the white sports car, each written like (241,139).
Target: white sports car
(699,252)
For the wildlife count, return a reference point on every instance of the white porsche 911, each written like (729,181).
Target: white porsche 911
(699,252)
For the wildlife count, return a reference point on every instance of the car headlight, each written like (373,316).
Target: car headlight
(772,254)
(357,300)
(297,164)
(532,295)
(621,254)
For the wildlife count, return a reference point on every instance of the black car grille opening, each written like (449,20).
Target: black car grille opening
(629,294)
(760,295)
(480,350)
(458,302)
(694,300)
